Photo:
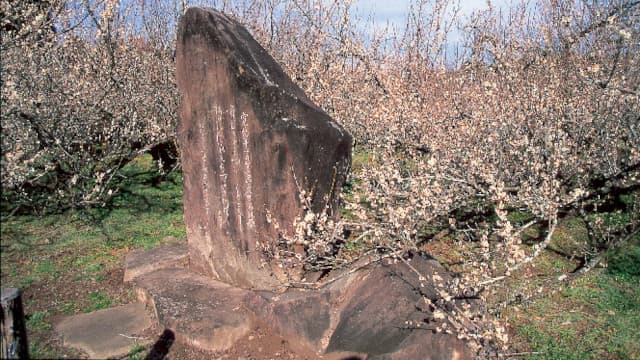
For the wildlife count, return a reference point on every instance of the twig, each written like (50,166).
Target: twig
(134,337)
(526,226)
(363,235)
(521,354)
(13,212)
(538,249)
(594,261)
(334,234)
(464,322)
(492,280)
(316,286)
(367,263)
(435,237)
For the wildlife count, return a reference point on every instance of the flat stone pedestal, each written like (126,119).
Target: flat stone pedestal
(377,312)
(202,312)
(142,261)
(106,333)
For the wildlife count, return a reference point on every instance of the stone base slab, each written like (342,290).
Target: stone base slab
(202,312)
(139,262)
(106,333)
(377,312)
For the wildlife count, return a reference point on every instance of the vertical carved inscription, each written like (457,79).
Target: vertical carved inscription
(245,131)
(248,181)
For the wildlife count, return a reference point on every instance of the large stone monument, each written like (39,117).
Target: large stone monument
(250,141)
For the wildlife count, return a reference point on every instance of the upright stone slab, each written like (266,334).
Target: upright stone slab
(250,140)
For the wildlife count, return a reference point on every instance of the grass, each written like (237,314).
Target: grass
(38,350)
(46,268)
(137,352)
(69,308)
(72,262)
(139,216)
(362,158)
(625,260)
(519,217)
(99,301)
(595,316)
(37,320)
(592,316)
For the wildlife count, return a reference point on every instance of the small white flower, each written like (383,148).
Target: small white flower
(625,34)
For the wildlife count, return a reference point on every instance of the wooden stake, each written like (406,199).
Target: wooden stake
(13,337)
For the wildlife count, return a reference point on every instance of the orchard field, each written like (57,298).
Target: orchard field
(511,156)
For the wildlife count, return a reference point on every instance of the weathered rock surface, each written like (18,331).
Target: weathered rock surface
(384,314)
(106,333)
(250,141)
(378,311)
(302,315)
(202,312)
(140,262)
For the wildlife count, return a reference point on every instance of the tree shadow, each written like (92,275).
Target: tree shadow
(161,347)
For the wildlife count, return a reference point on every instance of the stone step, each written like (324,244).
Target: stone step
(106,333)
(143,261)
(202,312)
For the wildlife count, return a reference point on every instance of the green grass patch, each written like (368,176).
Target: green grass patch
(362,158)
(26,281)
(94,268)
(596,317)
(625,260)
(519,217)
(98,301)
(547,347)
(138,352)
(614,220)
(46,268)
(69,308)
(549,264)
(85,247)
(38,350)
(38,321)
(140,215)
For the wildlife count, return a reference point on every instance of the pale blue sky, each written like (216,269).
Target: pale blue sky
(394,12)
(385,13)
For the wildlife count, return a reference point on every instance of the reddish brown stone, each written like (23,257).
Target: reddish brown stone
(419,345)
(250,140)
(202,312)
(384,315)
(142,261)
(377,312)
(301,315)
